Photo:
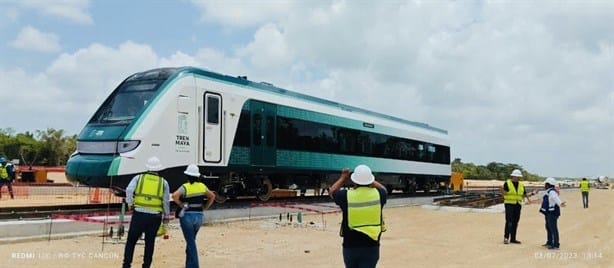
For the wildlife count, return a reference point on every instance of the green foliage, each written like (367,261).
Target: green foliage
(47,147)
(491,171)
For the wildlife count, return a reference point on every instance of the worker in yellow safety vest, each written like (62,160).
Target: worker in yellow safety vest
(584,188)
(190,197)
(6,177)
(513,195)
(148,196)
(362,222)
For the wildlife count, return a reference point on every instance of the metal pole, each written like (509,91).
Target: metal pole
(50,225)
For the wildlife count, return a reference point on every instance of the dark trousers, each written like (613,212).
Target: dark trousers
(365,257)
(512,217)
(552,230)
(139,224)
(8,184)
(585,199)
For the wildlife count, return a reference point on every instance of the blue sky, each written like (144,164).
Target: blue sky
(527,82)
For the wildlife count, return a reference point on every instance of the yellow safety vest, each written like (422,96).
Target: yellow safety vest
(194,194)
(365,211)
(584,186)
(513,196)
(149,192)
(4,175)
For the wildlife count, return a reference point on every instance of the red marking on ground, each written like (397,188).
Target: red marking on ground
(299,206)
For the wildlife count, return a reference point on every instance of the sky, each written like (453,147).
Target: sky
(525,82)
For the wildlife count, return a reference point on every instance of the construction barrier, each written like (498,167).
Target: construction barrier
(103,217)
(32,194)
(103,196)
(20,192)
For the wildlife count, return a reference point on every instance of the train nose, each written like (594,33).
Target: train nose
(91,170)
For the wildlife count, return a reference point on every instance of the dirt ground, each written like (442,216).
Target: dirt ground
(416,237)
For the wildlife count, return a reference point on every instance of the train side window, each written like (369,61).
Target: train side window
(213,107)
(257,133)
(270,131)
(242,138)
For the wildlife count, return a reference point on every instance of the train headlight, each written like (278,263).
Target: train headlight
(127,146)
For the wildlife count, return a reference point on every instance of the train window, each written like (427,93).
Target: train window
(270,131)
(257,134)
(213,107)
(242,137)
(302,135)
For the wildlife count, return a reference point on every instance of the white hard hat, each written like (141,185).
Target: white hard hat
(550,181)
(362,175)
(516,173)
(192,170)
(153,164)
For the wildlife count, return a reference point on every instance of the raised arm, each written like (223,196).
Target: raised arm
(345,175)
(376,184)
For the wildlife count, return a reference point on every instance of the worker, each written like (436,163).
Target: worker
(361,225)
(513,195)
(148,197)
(190,198)
(7,175)
(551,208)
(584,188)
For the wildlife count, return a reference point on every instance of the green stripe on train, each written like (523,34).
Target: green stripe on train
(286,159)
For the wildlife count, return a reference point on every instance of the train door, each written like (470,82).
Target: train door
(263,144)
(212,122)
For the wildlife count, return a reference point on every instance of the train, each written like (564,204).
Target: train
(248,137)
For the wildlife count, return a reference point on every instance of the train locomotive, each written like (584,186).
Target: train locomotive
(248,137)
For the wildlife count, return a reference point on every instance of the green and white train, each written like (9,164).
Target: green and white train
(248,137)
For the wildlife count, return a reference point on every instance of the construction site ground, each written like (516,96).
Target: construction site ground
(417,236)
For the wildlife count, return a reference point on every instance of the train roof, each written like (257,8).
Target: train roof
(271,88)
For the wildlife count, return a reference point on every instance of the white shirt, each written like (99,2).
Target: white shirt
(553,198)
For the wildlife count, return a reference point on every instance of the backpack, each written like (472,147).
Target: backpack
(544,209)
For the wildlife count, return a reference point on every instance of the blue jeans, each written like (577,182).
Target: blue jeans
(585,199)
(142,223)
(190,224)
(552,230)
(365,257)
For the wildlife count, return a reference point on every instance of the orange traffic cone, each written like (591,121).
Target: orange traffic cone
(95,198)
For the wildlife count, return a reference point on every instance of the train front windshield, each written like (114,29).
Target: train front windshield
(132,96)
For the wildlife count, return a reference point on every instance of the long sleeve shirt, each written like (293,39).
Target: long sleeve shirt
(165,197)
(553,199)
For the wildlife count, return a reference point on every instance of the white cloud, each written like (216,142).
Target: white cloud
(30,38)
(512,82)
(74,10)
(268,50)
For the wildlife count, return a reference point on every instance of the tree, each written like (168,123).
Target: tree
(51,148)
(493,170)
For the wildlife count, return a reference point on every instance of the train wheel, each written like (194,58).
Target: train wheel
(264,193)
(409,189)
(220,198)
(389,188)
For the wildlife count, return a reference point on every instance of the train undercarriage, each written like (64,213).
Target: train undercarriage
(233,185)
